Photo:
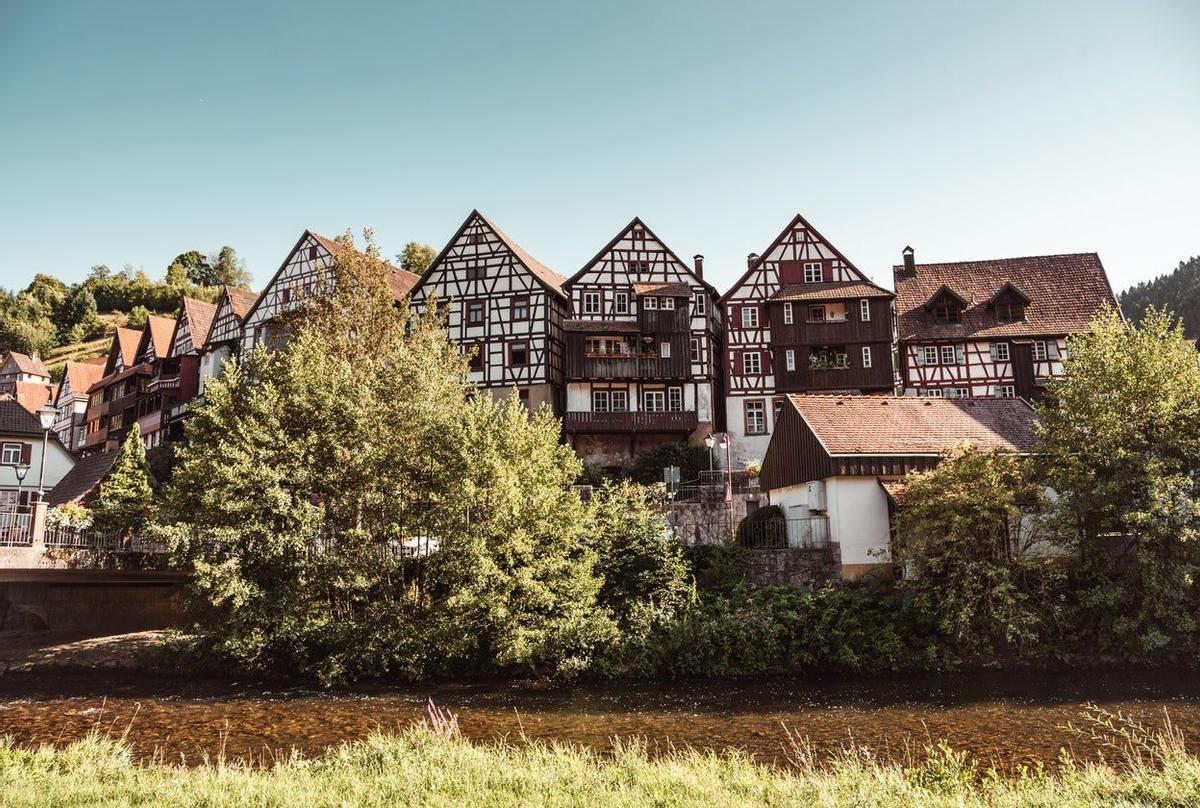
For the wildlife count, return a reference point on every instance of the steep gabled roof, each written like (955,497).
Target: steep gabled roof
(548,278)
(1064,291)
(31,365)
(944,291)
(904,425)
(124,345)
(83,479)
(783,235)
(160,331)
(637,222)
(16,420)
(835,290)
(80,376)
(241,300)
(34,395)
(199,318)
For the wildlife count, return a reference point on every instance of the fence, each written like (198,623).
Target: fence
(811,533)
(16,526)
(71,538)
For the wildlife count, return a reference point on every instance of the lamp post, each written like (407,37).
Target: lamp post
(22,469)
(47,415)
(710,442)
(728,480)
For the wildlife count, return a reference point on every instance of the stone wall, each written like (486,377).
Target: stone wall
(89,601)
(791,567)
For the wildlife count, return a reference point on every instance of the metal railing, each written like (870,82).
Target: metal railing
(71,538)
(16,526)
(811,533)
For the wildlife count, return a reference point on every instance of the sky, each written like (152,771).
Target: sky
(131,132)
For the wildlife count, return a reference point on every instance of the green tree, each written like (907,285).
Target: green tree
(1120,432)
(126,499)
(228,269)
(416,257)
(138,317)
(967,533)
(193,266)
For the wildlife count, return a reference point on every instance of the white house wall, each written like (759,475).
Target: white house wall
(973,369)
(307,271)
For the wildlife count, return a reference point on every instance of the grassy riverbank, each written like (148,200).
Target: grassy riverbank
(436,767)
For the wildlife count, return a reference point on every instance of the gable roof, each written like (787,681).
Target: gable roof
(34,395)
(637,222)
(160,331)
(797,220)
(83,478)
(125,345)
(1065,292)
(82,375)
(16,420)
(240,300)
(548,278)
(199,319)
(904,425)
(835,290)
(26,364)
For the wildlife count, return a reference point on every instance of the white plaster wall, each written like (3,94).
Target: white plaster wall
(211,365)
(704,403)
(58,463)
(746,447)
(858,519)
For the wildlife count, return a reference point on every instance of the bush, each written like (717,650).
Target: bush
(766,527)
(648,466)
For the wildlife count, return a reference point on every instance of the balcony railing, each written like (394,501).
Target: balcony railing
(164,383)
(16,523)
(630,421)
(811,533)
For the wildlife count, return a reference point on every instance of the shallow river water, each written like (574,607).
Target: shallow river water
(1003,719)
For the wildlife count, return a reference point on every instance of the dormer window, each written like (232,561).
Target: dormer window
(1010,312)
(945,306)
(947,313)
(1009,304)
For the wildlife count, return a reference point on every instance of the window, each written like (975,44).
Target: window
(1010,312)
(864,310)
(518,354)
(789,359)
(638,267)
(751,363)
(600,401)
(947,313)
(675,399)
(619,400)
(10,454)
(638,233)
(664,350)
(591,302)
(475,238)
(1039,350)
(621,303)
(668,303)
(1000,351)
(476,272)
(755,413)
(694,350)
(1004,391)
(653,401)
(932,392)
(476,312)
(285,295)
(476,360)
(816,314)
(520,308)
(777,410)
(312,253)
(866,356)
(650,303)
(750,317)
(930,355)
(813,273)
(958,392)
(948,355)
(698,306)
(789,316)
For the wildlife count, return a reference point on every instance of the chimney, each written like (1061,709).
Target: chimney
(699,262)
(910,262)
(750,259)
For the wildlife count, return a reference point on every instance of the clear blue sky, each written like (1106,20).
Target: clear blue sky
(130,132)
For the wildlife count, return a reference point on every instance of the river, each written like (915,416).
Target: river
(1002,719)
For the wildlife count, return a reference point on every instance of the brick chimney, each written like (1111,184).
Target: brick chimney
(910,262)
(698,260)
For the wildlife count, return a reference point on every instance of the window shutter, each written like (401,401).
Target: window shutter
(920,356)
(992,351)
(958,354)
(826,272)
(1052,349)
(26,453)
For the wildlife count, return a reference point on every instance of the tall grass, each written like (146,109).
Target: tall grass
(432,765)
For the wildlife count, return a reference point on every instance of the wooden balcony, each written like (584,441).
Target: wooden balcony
(627,422)
(664,321)
(878,377)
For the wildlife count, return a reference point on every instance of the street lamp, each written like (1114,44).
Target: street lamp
(22,469)
(710,442)
(47,415)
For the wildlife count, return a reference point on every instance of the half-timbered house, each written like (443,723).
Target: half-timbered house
(505,308)
(307,270)
(153,351)
(643,350)
(225,332)
(72,399)
(801,319)
(177,377)
(113,400)
(993,328)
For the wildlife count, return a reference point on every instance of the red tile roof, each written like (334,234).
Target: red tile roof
(200,316)
(1065,293)
(400,281)
(34,395)
(240,300)
(906,425)
(161,329)
(663,289)
(128,339)
(82,375)
(547,275)
(28,364)
(834,290)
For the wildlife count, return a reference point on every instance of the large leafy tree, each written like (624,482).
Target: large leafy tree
(228,269)
(1120,433)
(416,257)
(125,501)
(312,473)
(969,533)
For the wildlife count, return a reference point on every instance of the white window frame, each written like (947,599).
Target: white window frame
(1040,355)
(619,400)
(789,359)
(929,392)
(654,401)
(749,316)
(1000,351)
(667,304)
(664,350)
(789,314)
(927,351)
(591,302)
(698,306)
(813,313)
(621,303)
(948,351)
(757,363)
(694,349)
(1004,391)
(649,303)
(754,411)
(674,399)
(958,392)
(5,459)
(866,356)
(811,268)
(864,310)
(601,401)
